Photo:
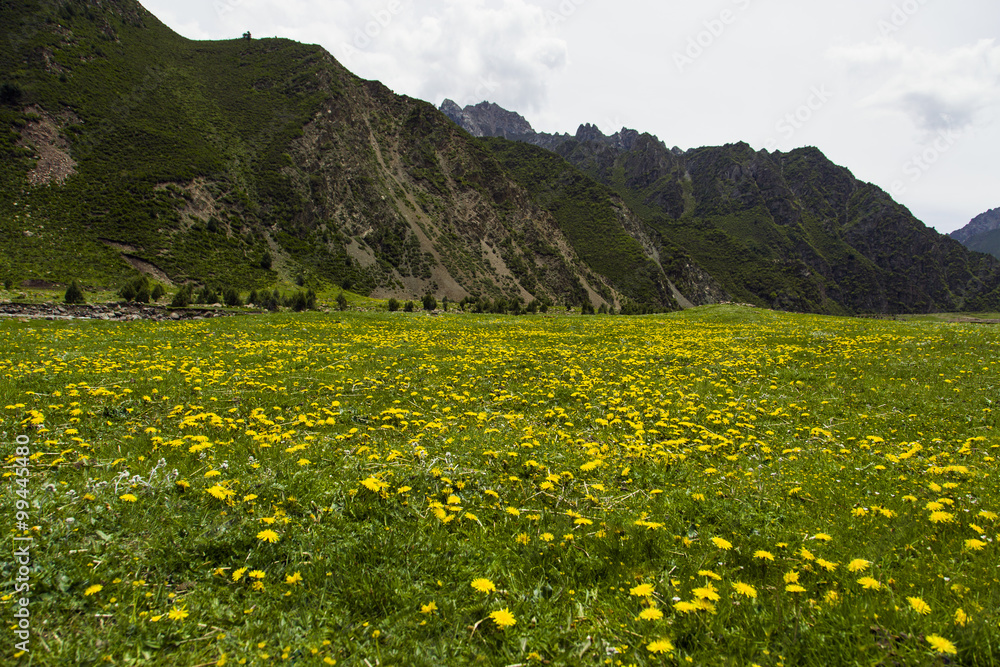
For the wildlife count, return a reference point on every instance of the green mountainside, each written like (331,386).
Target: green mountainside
(251,161)
(987,242)
(784,230)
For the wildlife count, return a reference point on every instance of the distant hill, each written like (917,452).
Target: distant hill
(785,230)
(982,234)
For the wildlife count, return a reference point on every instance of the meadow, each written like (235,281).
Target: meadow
(720,486)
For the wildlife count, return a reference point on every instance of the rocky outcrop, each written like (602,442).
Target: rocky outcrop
(116,312)
(981,224)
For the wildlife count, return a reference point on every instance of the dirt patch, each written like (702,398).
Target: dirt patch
(149,269)
(54,164)
(39,284)
(201,203)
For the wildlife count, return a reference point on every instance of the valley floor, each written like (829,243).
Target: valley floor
(719,486)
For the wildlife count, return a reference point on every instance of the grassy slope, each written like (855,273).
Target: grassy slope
(170,110)
(566,460)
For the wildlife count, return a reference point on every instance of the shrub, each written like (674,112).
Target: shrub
(430,303)
(207,295)
(341,301)
(266,261)
(232,298)
(254,298)
(183,297)
(158,292)
(137,290)
(74,294)
(393,305)
(10,94)
(409,307)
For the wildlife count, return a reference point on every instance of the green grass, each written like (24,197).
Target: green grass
(398,458)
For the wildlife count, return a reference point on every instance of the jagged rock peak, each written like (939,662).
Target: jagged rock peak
(487,119)
(981,224)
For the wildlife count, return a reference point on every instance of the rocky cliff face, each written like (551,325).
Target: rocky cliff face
(786,230)
(981,224)
(487,120)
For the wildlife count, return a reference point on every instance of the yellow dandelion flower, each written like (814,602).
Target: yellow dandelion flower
(822,536)
(91,590)
(483,585)
(178,613)
(428,608)
(220,492)
(795,588)
(858,565)
(961,618)
(745,589)
(806,554)
(238,574)
(919,606)
(941,645)
(293,579)
(829,566)
(721,543)
(642,590)
(975,545)
(257,574)
(709,574)
(503,618)
(374,485)
(941,517)
(546,537)
(128,497)
(268,536)
(660,646)
(763,555)
(870,584)
(989,516)
(686,607)
(791,577)
(706,593)
(651,614)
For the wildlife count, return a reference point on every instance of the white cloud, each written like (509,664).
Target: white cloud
(465,49)
(956,89)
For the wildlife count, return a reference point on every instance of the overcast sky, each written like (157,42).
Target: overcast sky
(904,93)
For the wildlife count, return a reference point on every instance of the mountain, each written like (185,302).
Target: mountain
(982,234)
(250,162)
(786,230)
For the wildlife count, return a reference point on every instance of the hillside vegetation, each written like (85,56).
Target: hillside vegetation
(251,162)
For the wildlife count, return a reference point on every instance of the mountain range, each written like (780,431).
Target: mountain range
(249,162)
(982,234)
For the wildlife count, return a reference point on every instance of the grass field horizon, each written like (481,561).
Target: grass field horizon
(719,486)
